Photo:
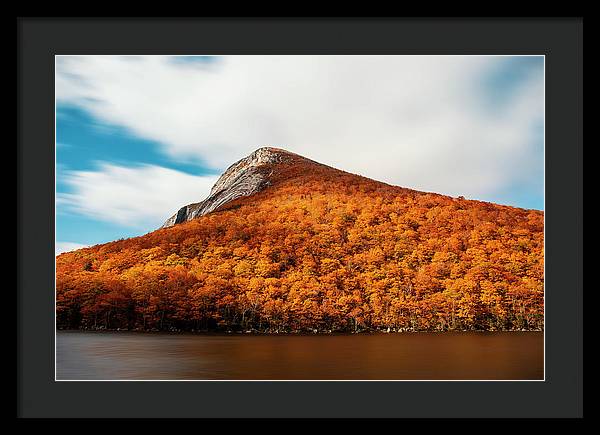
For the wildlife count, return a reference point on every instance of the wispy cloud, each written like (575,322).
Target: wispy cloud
(456,125)
(61,247)
(136,197)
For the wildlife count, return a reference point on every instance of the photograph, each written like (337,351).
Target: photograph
(299,217)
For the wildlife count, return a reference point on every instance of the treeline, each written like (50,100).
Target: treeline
(327,251)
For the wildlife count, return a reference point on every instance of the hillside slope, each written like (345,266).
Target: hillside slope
(314,248)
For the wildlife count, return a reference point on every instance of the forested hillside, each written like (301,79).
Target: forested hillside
(318,249)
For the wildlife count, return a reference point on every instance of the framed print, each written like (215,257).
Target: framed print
(356,208)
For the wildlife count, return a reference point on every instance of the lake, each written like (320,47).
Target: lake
(397,356)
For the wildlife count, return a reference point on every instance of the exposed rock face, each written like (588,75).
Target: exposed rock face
(245,177)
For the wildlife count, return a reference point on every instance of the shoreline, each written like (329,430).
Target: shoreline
(289,333)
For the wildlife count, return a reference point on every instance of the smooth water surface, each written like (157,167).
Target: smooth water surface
(424,356)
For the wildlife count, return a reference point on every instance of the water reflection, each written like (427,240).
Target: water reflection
(124,355)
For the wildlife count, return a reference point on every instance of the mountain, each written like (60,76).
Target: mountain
(283,244)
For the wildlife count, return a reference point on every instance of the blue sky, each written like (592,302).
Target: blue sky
(82,144)
(139,136)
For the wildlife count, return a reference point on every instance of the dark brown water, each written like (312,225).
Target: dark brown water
(424,356)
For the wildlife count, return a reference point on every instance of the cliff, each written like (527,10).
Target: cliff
(244,178)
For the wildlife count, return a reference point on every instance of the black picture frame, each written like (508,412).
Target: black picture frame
(560,40)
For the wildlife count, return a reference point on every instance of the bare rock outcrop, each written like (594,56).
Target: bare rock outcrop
(245,177)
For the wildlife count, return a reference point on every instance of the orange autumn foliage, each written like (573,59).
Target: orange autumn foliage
(319,249)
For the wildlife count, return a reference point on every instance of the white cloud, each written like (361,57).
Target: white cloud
(61,247)
(138,197)
(414,121)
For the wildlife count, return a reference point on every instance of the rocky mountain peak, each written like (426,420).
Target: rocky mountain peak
(245,177)
(262,156)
